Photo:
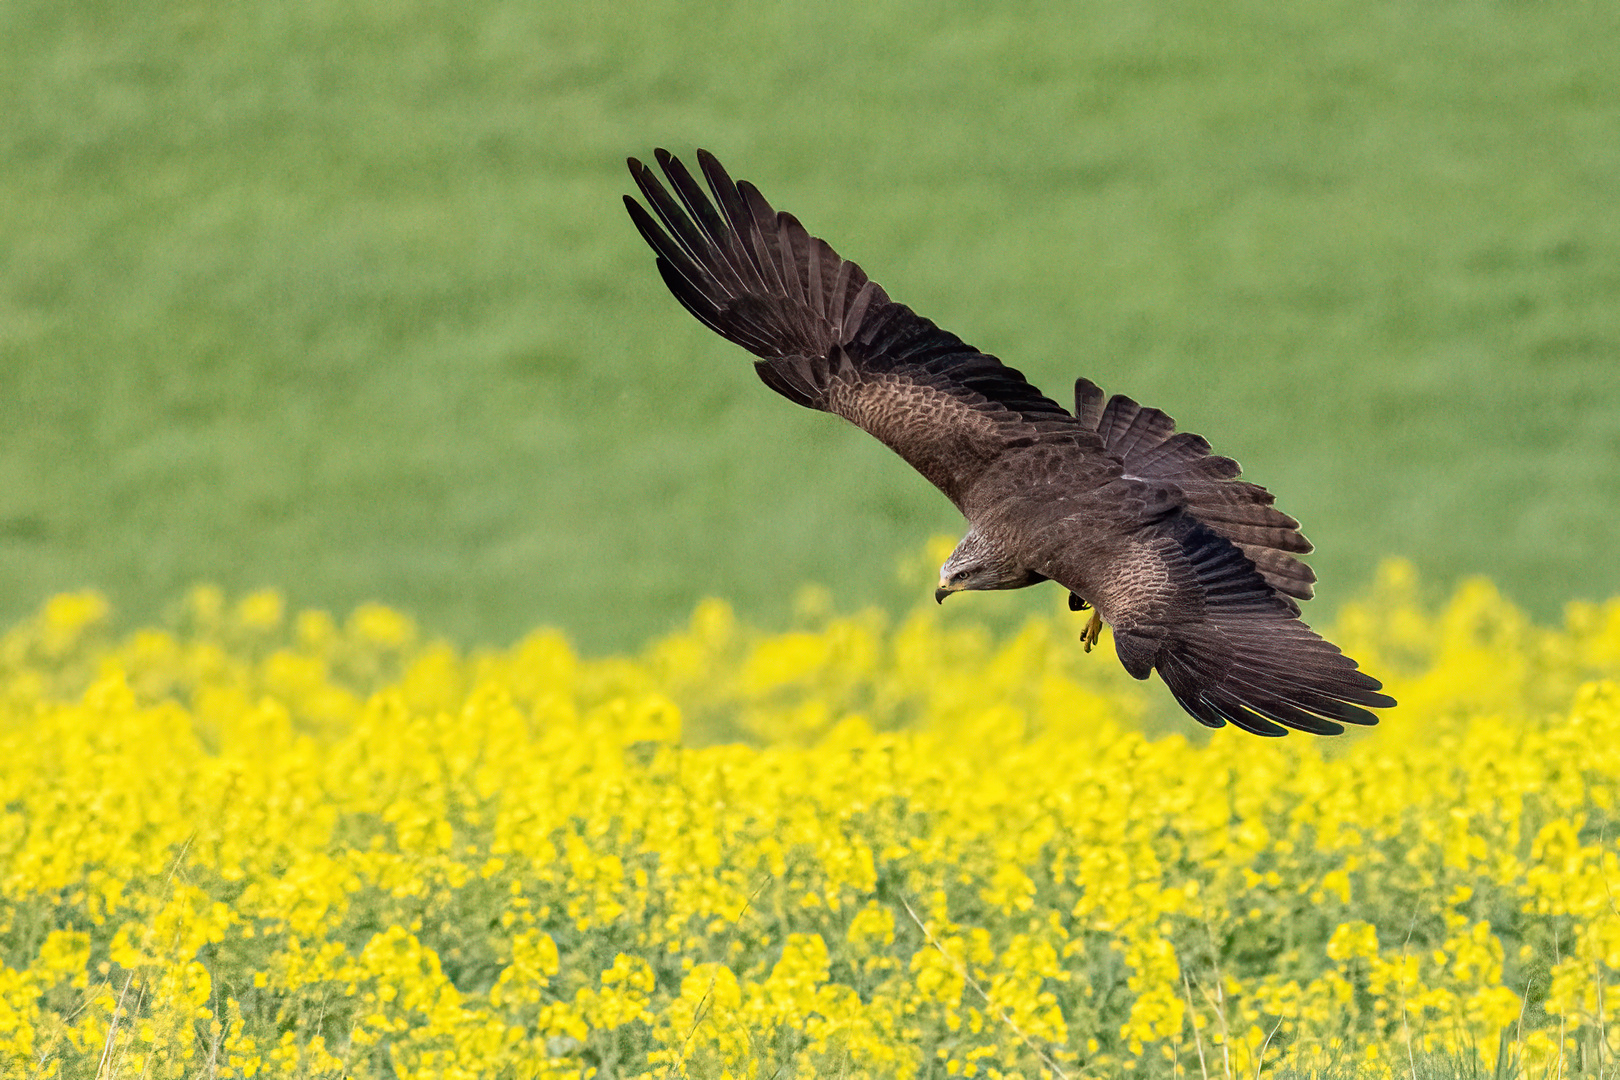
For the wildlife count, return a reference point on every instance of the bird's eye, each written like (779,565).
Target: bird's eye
(960,575)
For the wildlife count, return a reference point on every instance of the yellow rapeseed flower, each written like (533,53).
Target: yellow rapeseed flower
(249,845)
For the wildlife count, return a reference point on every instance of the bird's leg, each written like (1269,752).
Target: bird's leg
(1088,637)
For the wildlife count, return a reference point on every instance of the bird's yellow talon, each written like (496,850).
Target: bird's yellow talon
(1088,637)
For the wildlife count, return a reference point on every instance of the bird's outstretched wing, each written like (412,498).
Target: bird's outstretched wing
(830,339)
(1193,606)
(1147,445)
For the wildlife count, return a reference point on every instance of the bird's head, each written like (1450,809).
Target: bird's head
(978,563)
(954,580)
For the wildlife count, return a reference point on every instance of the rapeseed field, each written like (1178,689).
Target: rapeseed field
(257,843)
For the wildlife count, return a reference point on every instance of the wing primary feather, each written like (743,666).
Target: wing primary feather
(762,233)
(817,297)
(1242,717)
(842,283)
(732,207)
(788,232)
(667,249)
(729,257)
(738,330)
(1294,707)
(679,224)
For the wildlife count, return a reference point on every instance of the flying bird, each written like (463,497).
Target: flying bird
(1192,568)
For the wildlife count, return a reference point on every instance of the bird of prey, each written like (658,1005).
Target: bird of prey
(1193,569)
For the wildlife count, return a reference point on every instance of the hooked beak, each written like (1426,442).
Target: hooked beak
(941,593)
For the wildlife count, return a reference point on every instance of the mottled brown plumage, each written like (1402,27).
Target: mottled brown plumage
(1193,568)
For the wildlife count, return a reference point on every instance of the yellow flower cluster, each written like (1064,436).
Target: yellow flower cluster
(250,844)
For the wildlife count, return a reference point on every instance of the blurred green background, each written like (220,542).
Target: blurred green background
(340,297)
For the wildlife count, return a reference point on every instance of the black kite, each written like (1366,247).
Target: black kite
(1193,568)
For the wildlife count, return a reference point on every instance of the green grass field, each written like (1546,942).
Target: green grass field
(339,297)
